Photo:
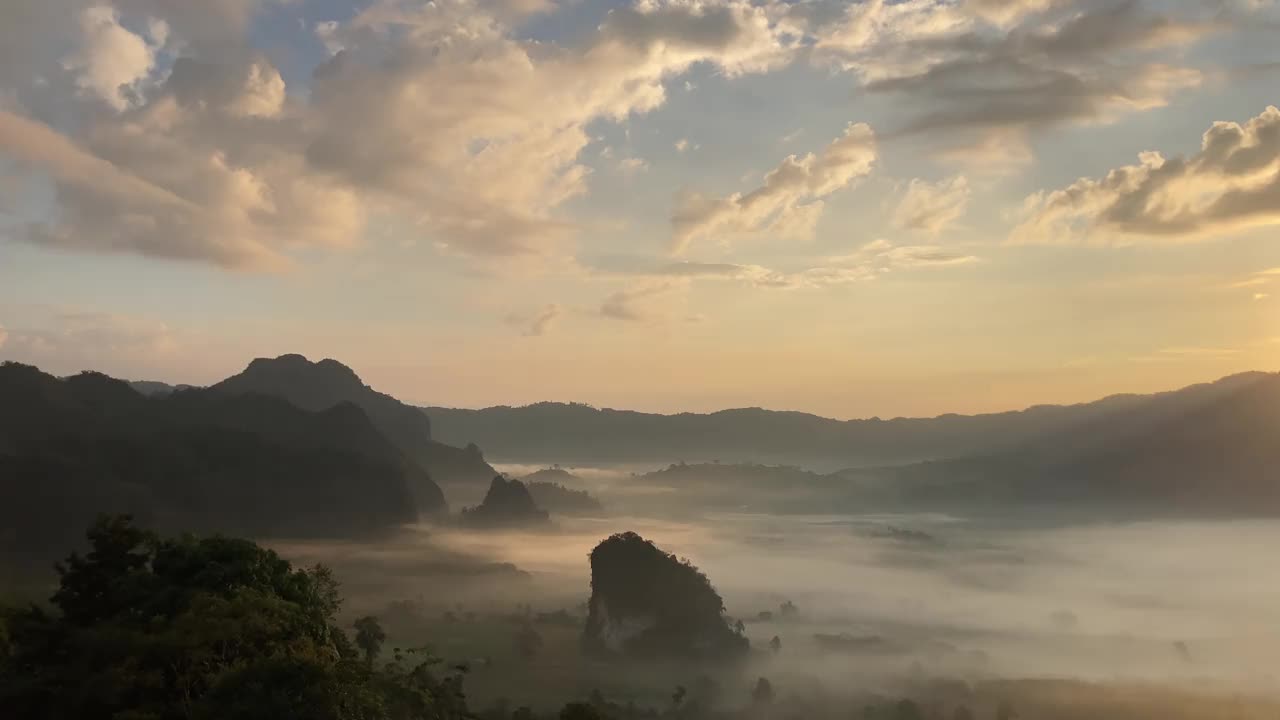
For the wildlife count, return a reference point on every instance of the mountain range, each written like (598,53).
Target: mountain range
(576,434)
(194,459)
(286,447)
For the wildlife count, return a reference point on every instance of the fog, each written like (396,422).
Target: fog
(896,596)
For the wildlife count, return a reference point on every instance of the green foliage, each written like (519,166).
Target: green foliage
(211,629)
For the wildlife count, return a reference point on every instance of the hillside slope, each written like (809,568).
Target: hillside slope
(327,383)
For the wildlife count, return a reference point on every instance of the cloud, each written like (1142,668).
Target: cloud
(647,300)
(112,60)
(491,151)
(632,165)
(76,339)
(435,115)
(1015,66)
(789,202)
(539,323)
(157,182)
(867,262)
(932,207)
(1232,183)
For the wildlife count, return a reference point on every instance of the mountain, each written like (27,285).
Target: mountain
(1217,455)
(507,504)
(1211,450)
(152,387)
(647,602)
(560,500)
(198,459)
(581,434)
(321,385)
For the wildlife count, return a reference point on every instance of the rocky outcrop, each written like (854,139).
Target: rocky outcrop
(507,504)
(648,603)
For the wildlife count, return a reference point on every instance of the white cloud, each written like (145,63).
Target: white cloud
(111,60)
(932,207)
(788,203)
(435,114)
(487,156)
(1233,182)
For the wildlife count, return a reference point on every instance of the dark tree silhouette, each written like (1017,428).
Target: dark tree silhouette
(762,693)
(370,637)
(528,642)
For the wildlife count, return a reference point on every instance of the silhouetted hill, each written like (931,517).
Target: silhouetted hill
(324,384)
(646,602)
(508,503)
(552,475)
(1217,455)
(200,459)
(580,434)
(152,387)
(558,499)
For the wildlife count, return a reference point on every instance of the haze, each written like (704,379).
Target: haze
(639,359)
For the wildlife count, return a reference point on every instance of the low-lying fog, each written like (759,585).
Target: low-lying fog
(1163,602)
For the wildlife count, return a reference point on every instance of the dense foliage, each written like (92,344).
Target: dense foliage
(148,628)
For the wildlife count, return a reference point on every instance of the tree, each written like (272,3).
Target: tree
(580,711)
(370,637)
(907,710)
(208,629)
(762,694)
(528,642)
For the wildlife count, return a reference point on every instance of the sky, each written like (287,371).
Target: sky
(852,208)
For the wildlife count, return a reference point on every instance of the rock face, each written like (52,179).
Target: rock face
(648,603)
(507,504)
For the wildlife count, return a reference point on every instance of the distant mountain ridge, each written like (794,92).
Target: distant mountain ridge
(1217,455)
(327,383)
(1213,452)
(580,434)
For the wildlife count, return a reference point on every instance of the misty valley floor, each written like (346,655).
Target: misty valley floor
(883,600)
